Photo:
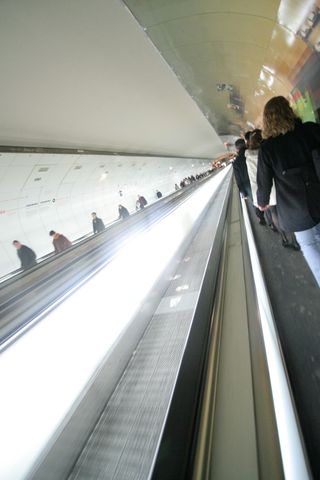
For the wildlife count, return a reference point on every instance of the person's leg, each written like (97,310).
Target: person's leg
(268,218)
(260,216)
(288,238)
(310,245)
(291,241)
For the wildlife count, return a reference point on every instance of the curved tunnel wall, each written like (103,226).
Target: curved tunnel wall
(40,192)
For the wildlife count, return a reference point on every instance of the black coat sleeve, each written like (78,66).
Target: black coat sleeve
(264,179)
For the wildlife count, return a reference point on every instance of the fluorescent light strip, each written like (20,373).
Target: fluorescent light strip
(292,452)
(45,370)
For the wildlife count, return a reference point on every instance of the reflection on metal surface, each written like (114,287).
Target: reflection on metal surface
(174,302)
(293,14)
(181,288)
(253,48)
(175,277)
(291,444)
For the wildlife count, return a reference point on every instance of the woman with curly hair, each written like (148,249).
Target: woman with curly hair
(287,158)
(254,143)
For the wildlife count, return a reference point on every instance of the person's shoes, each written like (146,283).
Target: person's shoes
(285,243)
(262,221)
(293,245)
(273,228)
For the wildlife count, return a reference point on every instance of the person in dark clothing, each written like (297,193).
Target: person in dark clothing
(286,157)
(254,143)
(159,194)
(242,176)
(60,242)
(26,255)
(240,169)
(123,212)
(97,223)
(142,201)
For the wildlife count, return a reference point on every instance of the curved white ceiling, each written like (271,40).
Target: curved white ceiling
(83,74)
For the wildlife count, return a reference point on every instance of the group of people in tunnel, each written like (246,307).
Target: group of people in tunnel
(28,258)
(278,169)
(193,178)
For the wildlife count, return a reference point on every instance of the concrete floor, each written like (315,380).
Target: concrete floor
(295,298)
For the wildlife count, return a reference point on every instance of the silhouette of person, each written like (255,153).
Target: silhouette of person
(60,242)
(26,255)
(123,212)
(97,223)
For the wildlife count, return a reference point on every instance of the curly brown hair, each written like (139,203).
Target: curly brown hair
(278,117)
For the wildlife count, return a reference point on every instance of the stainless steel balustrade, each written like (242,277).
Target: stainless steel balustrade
(248,424)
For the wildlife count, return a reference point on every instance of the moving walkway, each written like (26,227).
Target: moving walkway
(194,386)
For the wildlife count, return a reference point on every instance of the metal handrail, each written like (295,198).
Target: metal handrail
(176,450)
(292,451)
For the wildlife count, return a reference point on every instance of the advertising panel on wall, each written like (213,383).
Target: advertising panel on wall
(305,95)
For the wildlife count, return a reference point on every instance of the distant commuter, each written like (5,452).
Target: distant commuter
(123,212)
(142,201)
(26,255)
(286,157)
(60,242)
(176,186)
(97,223)
(159,194)
(240,169)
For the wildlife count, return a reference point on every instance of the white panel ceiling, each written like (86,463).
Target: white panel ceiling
(83,74)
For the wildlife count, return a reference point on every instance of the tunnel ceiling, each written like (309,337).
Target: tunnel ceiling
(233,55)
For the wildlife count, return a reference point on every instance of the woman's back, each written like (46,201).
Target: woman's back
(294,148)
(288,159)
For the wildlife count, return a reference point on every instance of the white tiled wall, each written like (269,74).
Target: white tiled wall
(43,192)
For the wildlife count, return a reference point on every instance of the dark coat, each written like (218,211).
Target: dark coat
(27,257)
(61,243)
(241,173)
(97,225)
(143,202)
(123,212)
(288,160)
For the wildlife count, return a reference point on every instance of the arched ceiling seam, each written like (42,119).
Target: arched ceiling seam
(213,42)
(204,14)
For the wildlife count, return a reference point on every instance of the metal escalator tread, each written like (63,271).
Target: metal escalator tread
(131,434)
